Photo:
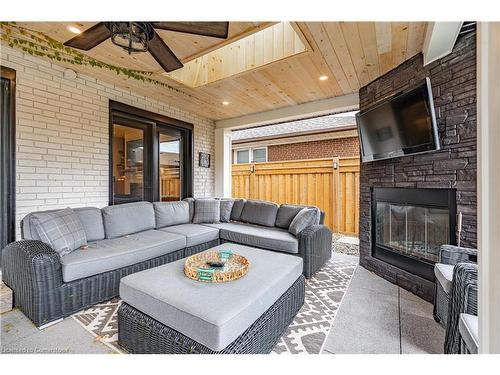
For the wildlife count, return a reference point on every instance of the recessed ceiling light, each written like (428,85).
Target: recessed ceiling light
(74,30)
(323,78)
(225,102)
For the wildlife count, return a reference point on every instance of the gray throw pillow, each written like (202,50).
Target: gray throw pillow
(305,218)
(61,230)
(226,206)
(206,211)
(237,209)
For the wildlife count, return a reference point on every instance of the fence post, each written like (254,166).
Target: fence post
(336,195)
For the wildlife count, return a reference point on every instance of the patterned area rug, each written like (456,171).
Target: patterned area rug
(306,334)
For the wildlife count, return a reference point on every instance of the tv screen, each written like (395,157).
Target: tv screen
(402,125)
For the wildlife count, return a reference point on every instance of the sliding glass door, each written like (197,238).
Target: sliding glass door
(129,162)
(150,157)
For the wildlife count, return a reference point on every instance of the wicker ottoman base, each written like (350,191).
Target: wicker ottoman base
(138,333)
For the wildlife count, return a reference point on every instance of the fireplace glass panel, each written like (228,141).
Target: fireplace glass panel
(414,231)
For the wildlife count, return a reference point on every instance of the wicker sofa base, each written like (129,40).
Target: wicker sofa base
(140,334)
(441,302)
(55,299)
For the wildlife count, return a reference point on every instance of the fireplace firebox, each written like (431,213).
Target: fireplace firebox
(409,225)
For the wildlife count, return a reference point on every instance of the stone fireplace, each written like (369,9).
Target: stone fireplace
(409,226)
(410,231)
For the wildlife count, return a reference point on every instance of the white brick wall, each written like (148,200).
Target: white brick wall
(62,136)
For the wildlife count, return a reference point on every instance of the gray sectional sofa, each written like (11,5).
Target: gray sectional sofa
(128,238)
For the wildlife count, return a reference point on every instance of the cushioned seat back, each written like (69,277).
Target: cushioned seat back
(171,213)
(287,212)
(128,218)
(90,217)
(260,213)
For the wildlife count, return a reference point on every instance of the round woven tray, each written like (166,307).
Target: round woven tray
(235,266)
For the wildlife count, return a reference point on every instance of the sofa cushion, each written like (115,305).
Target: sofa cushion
(128,218)
(468,326)
(90,218)
(305,218)
(260,213)
(111,254)
(237,209)
(171,213)
(286,213)
(444,275)
(206,211)
(196,234)
(62,230)
(254,235)
(226,207)
(212,314)
(190,201)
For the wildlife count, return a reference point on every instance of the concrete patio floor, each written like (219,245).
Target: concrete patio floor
(379,317)
(374,317)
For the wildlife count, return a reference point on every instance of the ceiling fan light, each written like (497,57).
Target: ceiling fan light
(133,37)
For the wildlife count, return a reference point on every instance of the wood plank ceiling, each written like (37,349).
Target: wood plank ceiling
(351,54)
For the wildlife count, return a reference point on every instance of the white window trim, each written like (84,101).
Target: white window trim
(250,153)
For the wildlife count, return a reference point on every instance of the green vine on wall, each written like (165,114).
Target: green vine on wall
(39,44)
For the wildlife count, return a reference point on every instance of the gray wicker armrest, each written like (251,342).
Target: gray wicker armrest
(463,299)
(449,254)
(31,269)
(315,248)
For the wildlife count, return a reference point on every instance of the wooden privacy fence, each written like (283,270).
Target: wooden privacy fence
(330,184)
(170,184)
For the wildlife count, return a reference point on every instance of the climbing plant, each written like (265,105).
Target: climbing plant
(39,44)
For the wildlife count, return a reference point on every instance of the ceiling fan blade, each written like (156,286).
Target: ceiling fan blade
(164,55)
(90,37)
(214,29)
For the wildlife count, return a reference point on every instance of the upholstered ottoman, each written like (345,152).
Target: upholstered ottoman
(163,311)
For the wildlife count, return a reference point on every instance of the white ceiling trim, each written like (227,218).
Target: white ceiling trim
(297,112)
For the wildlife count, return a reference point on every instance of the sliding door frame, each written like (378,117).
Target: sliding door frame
(8,139)
(157,123)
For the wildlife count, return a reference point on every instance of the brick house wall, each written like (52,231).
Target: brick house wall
(62,136)
(340,147)
(453,80)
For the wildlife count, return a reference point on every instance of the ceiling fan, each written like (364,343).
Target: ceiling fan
(142,37)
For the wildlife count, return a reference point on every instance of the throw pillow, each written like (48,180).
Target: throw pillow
(226,207)
(61,230)
(305,218)
(206,211)
(237,209)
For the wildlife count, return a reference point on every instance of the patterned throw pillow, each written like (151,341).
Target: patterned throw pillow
(305,218)
(206,211)
(62,230)
(226,207)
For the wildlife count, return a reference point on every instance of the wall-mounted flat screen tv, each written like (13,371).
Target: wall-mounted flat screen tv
(404,124)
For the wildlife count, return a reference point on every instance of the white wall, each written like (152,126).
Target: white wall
(62,136)
(488,82)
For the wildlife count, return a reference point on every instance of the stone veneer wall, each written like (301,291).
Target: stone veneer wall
(453,80)
(62,136)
